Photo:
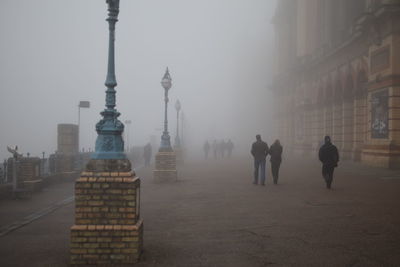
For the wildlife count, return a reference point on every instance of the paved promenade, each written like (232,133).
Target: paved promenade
(215,216)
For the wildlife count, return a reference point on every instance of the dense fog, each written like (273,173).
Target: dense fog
(53,54)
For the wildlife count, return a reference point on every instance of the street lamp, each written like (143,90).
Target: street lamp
(109,142)
(177,139)
(166,83)
(128,123)
(182,139)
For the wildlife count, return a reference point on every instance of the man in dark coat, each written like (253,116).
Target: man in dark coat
(329,156)
(259,150)
(276,158)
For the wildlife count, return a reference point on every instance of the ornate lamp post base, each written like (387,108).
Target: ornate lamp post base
(165,170)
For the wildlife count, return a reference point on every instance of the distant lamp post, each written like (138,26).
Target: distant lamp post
(166,83)
(82,104)
(128,123)
(177,139)
(182,139)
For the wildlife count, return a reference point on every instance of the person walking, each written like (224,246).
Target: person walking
(229,147)
(276,158)
(206,149)
(147,154)
(329,156)
(222,147)
(215,149)
(259,150)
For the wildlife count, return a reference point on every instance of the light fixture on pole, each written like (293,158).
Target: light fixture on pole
(166,83)
(109,142)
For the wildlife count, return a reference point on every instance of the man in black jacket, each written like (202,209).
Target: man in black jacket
(329,156)
(259,150)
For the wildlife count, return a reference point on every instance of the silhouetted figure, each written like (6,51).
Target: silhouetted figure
(229,147)
(215,149)
(206,149)
(329,156)
(259,150)
(147,154)
(222,147)
(276,158)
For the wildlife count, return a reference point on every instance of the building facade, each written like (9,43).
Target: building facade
(338,74)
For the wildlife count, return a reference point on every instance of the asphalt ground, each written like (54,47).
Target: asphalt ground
(215,216)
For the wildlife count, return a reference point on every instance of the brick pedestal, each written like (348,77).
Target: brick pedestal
(108,228)
(179,155)
(165,170)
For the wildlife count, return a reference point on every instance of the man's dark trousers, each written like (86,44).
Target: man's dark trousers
(259,164)
(327,173)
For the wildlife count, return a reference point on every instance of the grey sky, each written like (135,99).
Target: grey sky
(53,54)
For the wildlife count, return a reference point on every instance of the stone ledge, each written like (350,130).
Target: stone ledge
(99,227)
(109,179)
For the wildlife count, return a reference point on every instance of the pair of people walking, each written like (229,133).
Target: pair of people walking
(260,151)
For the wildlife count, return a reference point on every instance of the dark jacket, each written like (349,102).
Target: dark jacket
(329,155)
(276,153)
(259,150)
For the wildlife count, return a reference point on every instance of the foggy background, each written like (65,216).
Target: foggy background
(53,54)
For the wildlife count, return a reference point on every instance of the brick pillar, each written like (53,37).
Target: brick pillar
(360,125)
(308,121)
(328,119)
(320,127)
(179,155)
(337,136)
(314,129)
(348,127)
(165,170)
(108,228)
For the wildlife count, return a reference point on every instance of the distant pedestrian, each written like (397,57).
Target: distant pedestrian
(222,147)
(276,158)
(329,156)
(259,150)
(147,151)
(229,147)
(215,149)
(206,149)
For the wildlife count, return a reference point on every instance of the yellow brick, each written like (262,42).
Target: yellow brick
(91,245)
(129,250)
(130,239)
(117,245)
(78,251)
